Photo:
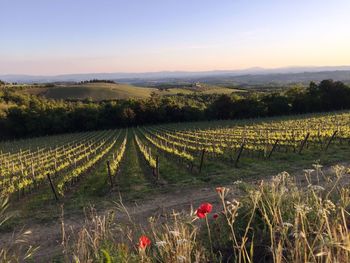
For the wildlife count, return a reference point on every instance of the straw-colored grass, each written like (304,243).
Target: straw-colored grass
(18,250)
(275,221)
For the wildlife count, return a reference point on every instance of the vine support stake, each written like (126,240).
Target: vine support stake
(239,154)
(273,149)
(52,187)
(330,140)
(157,167)
(202,159)
(304,142)
(109,173)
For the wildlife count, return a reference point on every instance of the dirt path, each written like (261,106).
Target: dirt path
(49,235)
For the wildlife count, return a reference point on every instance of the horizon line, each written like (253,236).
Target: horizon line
(174,71)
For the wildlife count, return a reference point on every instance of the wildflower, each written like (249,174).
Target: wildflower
(329,205)
(215,216)
(220,190)
(204,209)
(144,242)
(237,182)
(302,208)
(276,179)
(309,171)
(316,188)
(339,170)
(281,177)
(317,166)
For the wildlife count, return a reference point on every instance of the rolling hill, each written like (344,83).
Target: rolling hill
(254,75)
(114,91)
(95,91)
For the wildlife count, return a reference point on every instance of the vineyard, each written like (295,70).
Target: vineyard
(152,165)
(153,157)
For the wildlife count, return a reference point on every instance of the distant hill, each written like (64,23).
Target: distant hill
(280,78)
(95,91)
(113,91)
(246,76)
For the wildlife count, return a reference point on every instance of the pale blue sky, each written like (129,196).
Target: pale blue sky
(81,36)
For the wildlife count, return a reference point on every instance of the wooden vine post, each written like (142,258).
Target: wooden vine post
(109,173)
(330,140)
(239,154)
(52,186)
(157,167)
(273,149)
(304,142)
(201,162)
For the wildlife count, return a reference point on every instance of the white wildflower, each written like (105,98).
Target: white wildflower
(276,179)
(309,171)
(316,188)
(237,182)
(328,204)
(317,166)
(302,208)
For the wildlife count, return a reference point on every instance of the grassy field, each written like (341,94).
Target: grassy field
(95,91)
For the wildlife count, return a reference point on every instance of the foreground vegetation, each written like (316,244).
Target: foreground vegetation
(279,220)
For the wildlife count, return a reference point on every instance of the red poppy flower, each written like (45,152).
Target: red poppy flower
(215,216)
(219,189)
(144,242)
(204,209)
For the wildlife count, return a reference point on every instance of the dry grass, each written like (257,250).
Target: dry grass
(18,250)
(273,222)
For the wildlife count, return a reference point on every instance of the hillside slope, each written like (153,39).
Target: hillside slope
(95,91)
(114,91)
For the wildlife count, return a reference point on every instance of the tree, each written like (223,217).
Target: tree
(276,105)
(221,108)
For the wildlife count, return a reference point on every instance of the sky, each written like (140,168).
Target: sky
(50,37)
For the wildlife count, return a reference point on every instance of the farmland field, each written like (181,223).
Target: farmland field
(139,163)
(170,154)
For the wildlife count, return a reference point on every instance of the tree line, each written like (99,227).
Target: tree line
(32,115)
